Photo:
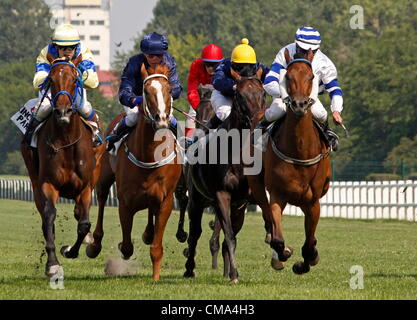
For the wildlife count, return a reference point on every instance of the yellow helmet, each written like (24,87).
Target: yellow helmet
(243,53)
(65,35)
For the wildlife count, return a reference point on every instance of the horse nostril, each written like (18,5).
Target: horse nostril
(58,112)
(157,117)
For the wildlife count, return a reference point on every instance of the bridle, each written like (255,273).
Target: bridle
(247,118)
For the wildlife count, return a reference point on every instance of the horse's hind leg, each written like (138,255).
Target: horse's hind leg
(214,242)
(83,203)
(181,195)
(309,251)
(126,221)
(102,190)
(48,227)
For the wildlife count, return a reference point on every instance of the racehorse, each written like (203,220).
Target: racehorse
(204,113)
(296,165)
(224,186)
(143,180)
(65,162)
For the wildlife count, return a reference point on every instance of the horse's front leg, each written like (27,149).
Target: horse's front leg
(181,195)
(48,215)
(83,203)
(309,251)
(214,242)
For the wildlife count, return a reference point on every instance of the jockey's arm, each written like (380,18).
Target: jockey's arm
(174,80)
(192,96)
(271,82)
(128,82)
(42,68)
(221,82)
(331,85)
(89,70)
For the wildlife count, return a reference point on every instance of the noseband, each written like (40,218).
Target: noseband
(79,85)
(147,113)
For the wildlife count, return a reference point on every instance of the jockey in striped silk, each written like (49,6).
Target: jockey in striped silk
(65,44)
(306,38)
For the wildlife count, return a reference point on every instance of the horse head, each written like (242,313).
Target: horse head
(249,95)
(66,87)
(157,100)
(299,94)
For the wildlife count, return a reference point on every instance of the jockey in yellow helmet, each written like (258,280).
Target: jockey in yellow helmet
(65,43)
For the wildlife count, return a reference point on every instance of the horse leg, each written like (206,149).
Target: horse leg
(126,221)
(181,195)
(48,227)
(83,203)
(102,190)
(258,192)
(195,214)
(309,251)
(224,213)
(162,213)
(277,241)
(214,242)
(148,234)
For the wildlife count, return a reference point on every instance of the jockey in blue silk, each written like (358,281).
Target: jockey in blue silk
(243,61)
(154,48)
(306,38)
(65,44)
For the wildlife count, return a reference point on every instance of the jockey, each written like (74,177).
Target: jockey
(65,44)
(201,71)
(154,48)
(306,38)
(243,61)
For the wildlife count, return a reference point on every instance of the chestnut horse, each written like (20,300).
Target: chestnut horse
(143,179)
(224,186)
(296,166)
(65,163)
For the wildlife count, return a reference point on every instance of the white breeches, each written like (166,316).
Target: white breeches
(221,105)
(278,108)
(44,110)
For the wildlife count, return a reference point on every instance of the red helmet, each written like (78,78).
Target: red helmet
(212,53)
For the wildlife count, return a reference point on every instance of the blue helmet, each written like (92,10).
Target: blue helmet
(154,43)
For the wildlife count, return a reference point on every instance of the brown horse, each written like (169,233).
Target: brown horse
(65,163)
(296,166)
(143,180)
(224,186)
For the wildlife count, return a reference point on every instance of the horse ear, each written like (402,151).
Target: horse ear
(143,72)
(235,75)
(310,55)
(258,73)
(50,58)
(287,56)
(78,60)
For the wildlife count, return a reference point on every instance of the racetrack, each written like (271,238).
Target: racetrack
(386,250)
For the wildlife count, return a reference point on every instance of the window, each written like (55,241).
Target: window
(77,22)
(97,22)
(95,52)
(82,37)
(94,37)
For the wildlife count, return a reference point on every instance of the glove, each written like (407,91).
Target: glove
(137,101)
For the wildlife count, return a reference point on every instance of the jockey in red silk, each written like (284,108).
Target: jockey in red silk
(154,48)
(201,71)
(65,44)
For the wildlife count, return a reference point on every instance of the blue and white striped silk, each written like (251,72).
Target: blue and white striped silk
(308,38)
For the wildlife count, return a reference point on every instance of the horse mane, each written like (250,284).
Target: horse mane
(160,68)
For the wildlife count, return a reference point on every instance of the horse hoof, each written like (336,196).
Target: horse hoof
(185,252)
(268,238)
(189,274)
(92,251)
(182,236)
(300,268)
(212,224)
(234,281)
(146,239)
(54,270)
(288,251)
(123,256)
(66,252)
(89,239)
(277,265)
(315,261)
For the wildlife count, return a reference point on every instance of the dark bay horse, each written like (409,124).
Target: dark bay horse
(65,163)
(143,180)
(224,186)
(296,165)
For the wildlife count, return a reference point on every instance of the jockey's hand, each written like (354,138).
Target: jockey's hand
(136,101)
(337,118)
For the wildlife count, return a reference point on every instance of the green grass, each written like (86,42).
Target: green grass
(385,249)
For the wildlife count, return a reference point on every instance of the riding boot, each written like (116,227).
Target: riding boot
(33,123)
(332,137)
(117,133)
(213,123)
(97,139)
